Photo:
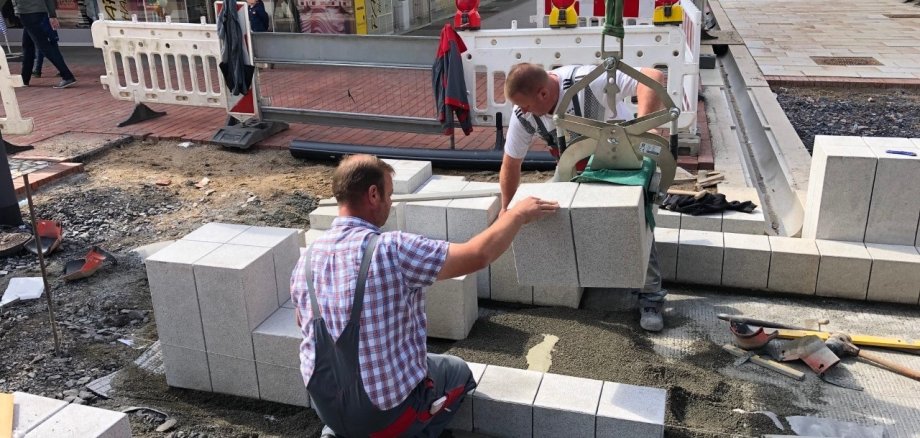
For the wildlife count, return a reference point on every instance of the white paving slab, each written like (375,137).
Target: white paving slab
(566,406)
(84,422)
(186,368)
(562,296)
(746,261)
(706,222)
(631,411)
(429,218)
(30,410)
(504,282)
(844,269)
(895,209)
(699,257)
(409,174)
(667,218)
(793,265)
(233,375)
(666,241)
(503,403)
(285,248)
(321,217)
(895,273)
(463,419)
(216,232)
(277,340)
(544,251)
(452,307)
(282,385)
(468,217)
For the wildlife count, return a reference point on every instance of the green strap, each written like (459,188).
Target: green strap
(613,20)
(641,177)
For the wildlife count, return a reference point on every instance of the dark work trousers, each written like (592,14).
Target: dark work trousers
(34,35)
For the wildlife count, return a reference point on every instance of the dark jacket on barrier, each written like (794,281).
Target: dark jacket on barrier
(449,84)
(258,18)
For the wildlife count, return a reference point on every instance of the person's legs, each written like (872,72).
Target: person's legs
(450,377)
(32,25)
(652,296)
(39,60)
(28,57)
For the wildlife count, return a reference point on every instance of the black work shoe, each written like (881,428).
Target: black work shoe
(66,83)
(36,74)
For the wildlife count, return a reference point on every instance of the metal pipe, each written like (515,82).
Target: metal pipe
(41,263)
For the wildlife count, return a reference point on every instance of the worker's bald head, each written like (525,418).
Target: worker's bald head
(356,174)
(525,79)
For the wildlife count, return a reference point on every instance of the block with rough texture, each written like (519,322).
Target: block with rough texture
(234,376)
(609,219)
(285,248)
(793,265)
(84,422)
(30,410)
(311,235)
(544,251)
(895,273)
(463,419)
(503,403)
(468,217)
(562,296)
(704,222)
(452,307)
(429,218)
(321,217)
(739,222)
(277,340)
(236,291)
(839,189)
(893,214)
(504,282)
(631,411)
(666,240)
(408,175)
(699,257)
(216,232)
(746,261)
(844,269)
(282,385)
(174,293)
(565,406)
(186,368)
(667,218)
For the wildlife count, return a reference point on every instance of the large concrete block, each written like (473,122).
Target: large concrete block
(452,307)
(84,422)
(544,251)
(839,189)
(289,304)
(609,219)
(429,218)
(234,376)
(895,208)
(282,385)
(746,261)
(285,248)
(236,291)
(895,273)
(699,257)
(408,175)
(321,217)
(667,218)
(504,282)
(793,265)
(565,406)
(666,242)
(30,410)
(463,419)
(562,296)
(740,222)
(277,340)
(634,411)
(503,403)
(310,236)
(468,217)
(174,294)
(216,232)
(844,269)
(705,222)
(186,368)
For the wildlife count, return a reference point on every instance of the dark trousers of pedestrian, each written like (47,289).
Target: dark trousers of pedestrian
(34,36)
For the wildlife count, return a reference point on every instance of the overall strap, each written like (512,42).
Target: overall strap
(358,305)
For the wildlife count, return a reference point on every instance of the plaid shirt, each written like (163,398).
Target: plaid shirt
(392,350)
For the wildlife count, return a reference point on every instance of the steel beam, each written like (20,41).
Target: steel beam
(377,122)
(358,50)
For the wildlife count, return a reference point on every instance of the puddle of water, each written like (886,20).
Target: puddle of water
(540,357)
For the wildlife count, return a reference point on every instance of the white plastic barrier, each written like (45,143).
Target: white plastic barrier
(591,12)
(12,123)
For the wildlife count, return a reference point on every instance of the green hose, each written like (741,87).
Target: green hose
(613,20)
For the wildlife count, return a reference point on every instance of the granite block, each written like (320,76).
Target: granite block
(561,296)
(793,265)
(739,222)
(452,307)
(282,385)
(706,222)
(666,242)
(844,269)
(468,217)
(285,247)
(746,261)
(216,232)
(631,411)
(503,402)
(609,219)
(186,368)
(289,304)
(233,375)
(544,251)
(504,282)
(566,406)
(321,217)
(408,175)
(699,257)
(667,218)
(894,213)
(429,218)
(277,340)
(30,410)
(895,273)
(84,422)
(463,419)
(310,236)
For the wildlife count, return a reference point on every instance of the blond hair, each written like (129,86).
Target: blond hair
(525,79)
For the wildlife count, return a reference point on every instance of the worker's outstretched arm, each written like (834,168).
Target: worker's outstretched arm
(648,101)
(509,178)
(485,247)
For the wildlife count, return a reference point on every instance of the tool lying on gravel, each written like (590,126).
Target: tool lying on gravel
(50,234)
(12,243)
(812,351)
(88,265)
(766,363)
(757,322)
(786,331)
(750,337)
(842,345)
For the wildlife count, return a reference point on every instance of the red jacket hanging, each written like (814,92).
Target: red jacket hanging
(449,85)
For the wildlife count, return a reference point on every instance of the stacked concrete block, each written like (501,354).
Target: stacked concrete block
(186,368)
(31,410)
(739,222)
(470,216)
(699,257)
(793,265)
(544,251)
(82,421)
(276,343)
(895,209)
(746,261)
(560,296)
(566,406)
(452,307)
(429,218)
(703,222)
(839,189)
(216,232)
(321,217)
(630,411)
(844,269)
(667,218)
(284,243)
(895,273)
(504,284)
(409,175)
(503,402)
(463,419)
(607,219)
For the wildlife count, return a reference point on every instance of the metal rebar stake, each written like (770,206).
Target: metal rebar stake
(41,263)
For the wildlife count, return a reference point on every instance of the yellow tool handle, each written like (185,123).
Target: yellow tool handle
(6,415)
(890,364)
(862,340)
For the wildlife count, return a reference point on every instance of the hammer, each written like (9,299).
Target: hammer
(842,345)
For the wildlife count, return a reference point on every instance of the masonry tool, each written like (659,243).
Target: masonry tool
(750,337)
(812,351)
(843,345)
(766,363)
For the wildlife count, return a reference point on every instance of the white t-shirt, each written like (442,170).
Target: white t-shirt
(522,128)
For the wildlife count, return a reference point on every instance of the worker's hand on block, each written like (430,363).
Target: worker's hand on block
(531,209)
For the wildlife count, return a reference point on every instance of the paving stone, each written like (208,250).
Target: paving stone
(746,261)
(793,265)
(699,258)
(468,217)
(429,218)
(609,219)
(84,422)
(282,385)
(463,419)
(277,340)
(739,222)
(233,375)
(289,304)
(311,235)
(186,368)
(236,292)
(839,189)
(452,307)
(544,251)
(667,218)
(174,294)
(321,217)
(562,296)
(566,406)
(666,242)
(285,248)
(216,232)
(708,222)
(895,273)
(893,214)
(31,410)
(503,402)
(844,269)
(631,411)
(409,175)
(504,281)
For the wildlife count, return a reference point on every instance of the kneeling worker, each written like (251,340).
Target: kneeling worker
(359,295)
